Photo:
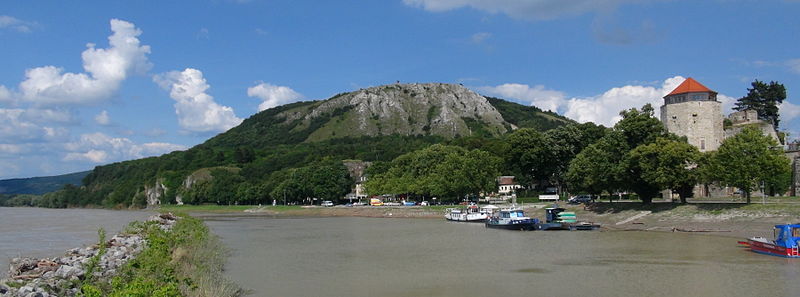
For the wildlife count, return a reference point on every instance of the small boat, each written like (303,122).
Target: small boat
(557,218)
(785,243)
(469,214)
(511,219)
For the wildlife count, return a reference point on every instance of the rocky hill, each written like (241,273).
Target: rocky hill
(430,109)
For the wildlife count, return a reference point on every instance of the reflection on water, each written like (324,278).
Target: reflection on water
(41,232)
(418,257)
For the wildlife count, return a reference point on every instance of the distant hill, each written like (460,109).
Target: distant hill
(374,124)
(40,185)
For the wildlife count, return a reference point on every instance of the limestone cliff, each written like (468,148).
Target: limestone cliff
(153,194)
(407,109)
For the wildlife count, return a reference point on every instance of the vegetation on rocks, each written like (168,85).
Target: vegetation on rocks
(164,256)
(185,260)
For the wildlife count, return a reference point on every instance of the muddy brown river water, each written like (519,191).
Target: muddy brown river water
(43,232)
(344,256)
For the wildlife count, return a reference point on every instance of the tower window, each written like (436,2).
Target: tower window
(702,144)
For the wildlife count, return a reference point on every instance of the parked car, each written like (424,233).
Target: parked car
(580,199)
(327,203)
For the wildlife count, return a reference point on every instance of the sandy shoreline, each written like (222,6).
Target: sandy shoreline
(730,220)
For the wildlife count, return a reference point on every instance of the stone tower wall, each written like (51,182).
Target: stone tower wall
(699,121)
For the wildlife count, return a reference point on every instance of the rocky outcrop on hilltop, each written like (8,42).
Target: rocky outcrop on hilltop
(60,276)
(407,109)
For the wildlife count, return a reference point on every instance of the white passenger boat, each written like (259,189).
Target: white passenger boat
(471,213)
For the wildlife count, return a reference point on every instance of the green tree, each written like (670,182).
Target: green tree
(640,126)
(750,159)
(565,143)
(765,99)
(602,166)
(327,179)
(223,187)
(530,154)
(244,155)
(597,168)
(439,170)
(664,164)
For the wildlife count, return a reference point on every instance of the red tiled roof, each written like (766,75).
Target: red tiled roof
(507,180)
(690,86)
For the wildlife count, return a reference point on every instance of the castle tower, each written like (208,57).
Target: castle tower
(692,110)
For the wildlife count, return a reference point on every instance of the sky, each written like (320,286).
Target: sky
(87,83)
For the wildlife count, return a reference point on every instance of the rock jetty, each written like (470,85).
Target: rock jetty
(61,276)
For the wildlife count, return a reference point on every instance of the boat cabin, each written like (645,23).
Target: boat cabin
(787,235)
(514,213)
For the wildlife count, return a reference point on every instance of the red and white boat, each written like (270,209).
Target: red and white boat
(784,245)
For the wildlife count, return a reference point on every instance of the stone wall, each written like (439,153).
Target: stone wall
(744,117)
(747,118)
(699,121)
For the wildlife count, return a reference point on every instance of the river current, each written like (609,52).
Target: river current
(42,232)
(425,257)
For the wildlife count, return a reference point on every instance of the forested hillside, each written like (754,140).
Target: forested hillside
(297,149)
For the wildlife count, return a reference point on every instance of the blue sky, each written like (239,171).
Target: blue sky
(85,83)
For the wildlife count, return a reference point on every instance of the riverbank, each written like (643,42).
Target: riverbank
(725,219)
(166,255)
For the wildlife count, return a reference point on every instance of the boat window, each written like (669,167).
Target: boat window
(795,232)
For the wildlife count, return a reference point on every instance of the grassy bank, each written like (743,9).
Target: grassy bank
(184,261)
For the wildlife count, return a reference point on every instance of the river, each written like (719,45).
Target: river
(43,232)
(423,257)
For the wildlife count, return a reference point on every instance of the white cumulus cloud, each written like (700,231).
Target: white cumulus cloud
(604,108)
(272,95)
(5,95)
(102,118)
(537,95)
(94,156)
(101,148)
(196,110)
(32,125)
(788,111)
(521,9)
(105,69)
